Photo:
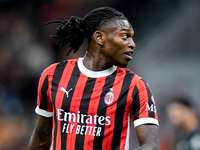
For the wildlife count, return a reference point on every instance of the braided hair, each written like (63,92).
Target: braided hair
(74,30)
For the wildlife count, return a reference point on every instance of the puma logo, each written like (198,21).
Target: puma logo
(66,92)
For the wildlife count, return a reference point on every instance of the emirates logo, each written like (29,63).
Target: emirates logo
(109,98)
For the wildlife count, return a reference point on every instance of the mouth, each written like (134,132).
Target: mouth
(128,54)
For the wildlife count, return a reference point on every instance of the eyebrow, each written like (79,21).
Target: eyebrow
(125,29)
(128,30)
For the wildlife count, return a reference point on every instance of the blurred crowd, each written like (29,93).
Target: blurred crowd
(26,49)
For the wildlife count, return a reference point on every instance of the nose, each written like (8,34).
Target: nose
(131,44)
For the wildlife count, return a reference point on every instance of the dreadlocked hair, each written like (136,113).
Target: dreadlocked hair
(69,31)
(74,30)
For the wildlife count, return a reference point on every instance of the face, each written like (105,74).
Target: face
(118,44)
(177,114)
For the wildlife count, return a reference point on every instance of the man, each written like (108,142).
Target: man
(182,115)
(88,101)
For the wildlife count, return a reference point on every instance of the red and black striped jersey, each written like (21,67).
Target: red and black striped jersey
(91,109)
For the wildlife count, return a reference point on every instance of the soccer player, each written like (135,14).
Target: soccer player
(86,103)
(182,115)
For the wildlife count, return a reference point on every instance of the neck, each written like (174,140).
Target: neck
(93,61)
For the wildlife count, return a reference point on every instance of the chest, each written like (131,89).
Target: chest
(91,95)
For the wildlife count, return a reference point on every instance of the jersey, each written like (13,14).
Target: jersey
(190,141)
(92,109)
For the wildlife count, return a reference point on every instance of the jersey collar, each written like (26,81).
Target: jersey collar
(94,74)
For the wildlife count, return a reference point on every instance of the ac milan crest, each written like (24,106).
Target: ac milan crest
(109,98)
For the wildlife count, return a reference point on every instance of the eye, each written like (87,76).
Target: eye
(124,36)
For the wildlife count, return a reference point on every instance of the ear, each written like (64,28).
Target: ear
(99,37)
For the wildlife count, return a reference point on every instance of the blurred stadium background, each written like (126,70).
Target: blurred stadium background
(167,55)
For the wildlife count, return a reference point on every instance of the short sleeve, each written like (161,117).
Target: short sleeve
(143,109)
(44,104)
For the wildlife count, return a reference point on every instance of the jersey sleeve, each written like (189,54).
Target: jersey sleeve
(143,110)
(44,104)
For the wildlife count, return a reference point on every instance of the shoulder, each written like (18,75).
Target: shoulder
(62,64)
(136,80)
(129,73)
